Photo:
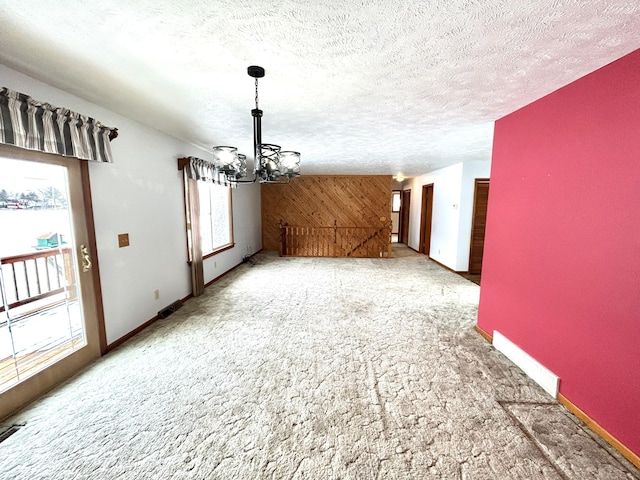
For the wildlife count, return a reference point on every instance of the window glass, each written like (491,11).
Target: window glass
(215,216)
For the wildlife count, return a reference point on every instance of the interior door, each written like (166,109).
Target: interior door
(425,219)
(48,316)
(405,204)
(480,203)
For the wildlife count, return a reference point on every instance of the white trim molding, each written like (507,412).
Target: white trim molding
(529,365)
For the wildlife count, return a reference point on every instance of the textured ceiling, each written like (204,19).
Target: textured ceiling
(358,87)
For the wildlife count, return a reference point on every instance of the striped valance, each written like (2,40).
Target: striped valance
(28,123)
(198,169)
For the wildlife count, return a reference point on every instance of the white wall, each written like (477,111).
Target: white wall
(141,194)
(470,171)
(444,226)
(452,210)
(247,232)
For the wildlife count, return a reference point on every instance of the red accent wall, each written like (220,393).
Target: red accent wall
(561,271)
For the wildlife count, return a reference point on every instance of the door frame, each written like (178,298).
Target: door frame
(426,217)
(32,387)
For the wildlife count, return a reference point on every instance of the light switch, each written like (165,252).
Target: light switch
(123,240)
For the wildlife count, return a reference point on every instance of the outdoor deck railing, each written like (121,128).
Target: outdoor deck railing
(31,277)
(362,242)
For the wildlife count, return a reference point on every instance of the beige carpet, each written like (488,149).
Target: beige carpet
(309,368)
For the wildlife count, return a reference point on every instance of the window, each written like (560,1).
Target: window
(216,226)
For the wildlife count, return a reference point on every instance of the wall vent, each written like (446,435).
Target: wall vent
(8,431)
(166,311)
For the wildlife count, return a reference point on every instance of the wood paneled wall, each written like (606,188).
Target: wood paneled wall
(318,201)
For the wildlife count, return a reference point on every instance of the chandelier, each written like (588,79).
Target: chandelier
(272,164)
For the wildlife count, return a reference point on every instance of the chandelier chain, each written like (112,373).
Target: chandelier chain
(257,94)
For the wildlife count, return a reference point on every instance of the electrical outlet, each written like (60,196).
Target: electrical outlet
(156,294)
(215,264)
(123,240)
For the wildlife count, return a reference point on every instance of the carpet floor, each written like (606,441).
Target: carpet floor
(309,368)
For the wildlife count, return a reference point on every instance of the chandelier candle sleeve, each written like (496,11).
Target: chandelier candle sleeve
(290,162)
(225,158)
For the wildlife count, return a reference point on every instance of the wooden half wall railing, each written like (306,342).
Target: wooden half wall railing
(355,242)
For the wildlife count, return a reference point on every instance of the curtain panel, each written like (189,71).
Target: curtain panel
(198,169)
(194,241)
(28,123)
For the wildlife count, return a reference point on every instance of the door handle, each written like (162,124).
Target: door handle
(86,260)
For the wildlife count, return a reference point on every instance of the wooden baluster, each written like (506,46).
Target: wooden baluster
(347,241)
(26,278)
(325,245)
(15,280)
(373,244)
(35,263)
(289,240)
(328,244)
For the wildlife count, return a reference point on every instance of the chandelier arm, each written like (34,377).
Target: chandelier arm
(278,182)
(246,181)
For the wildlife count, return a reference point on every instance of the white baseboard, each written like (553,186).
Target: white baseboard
(529,365)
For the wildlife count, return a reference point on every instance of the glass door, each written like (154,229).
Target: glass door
(48,320)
